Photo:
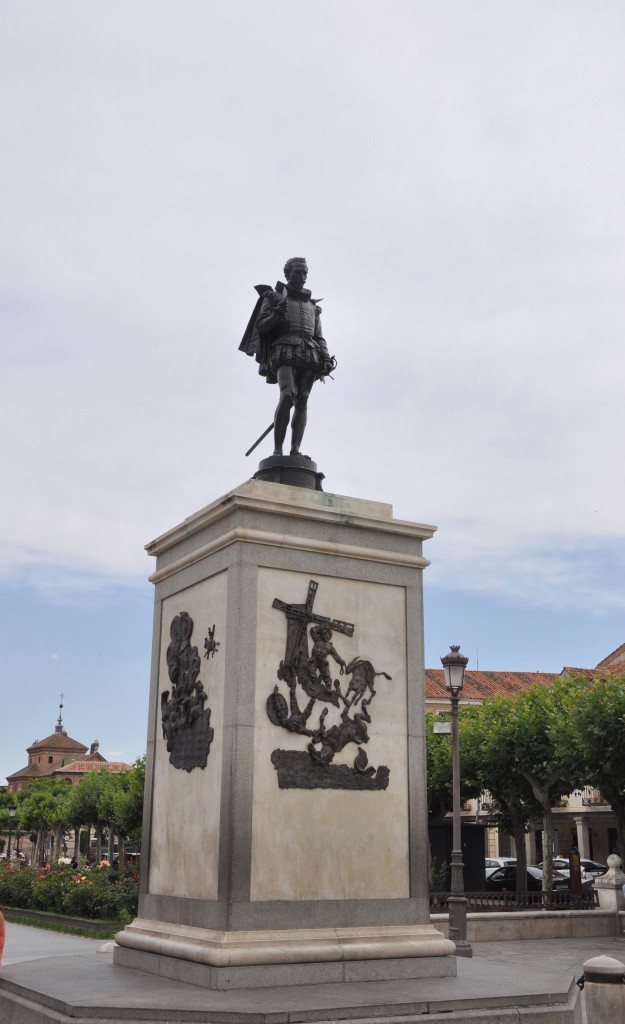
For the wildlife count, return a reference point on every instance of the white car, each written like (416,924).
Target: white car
(492,863)
(589,868)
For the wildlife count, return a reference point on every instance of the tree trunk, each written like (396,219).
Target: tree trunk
(517,817)
(39,847)
(122,852)
(98,844)
(541,792)
(56,852)
(111,845)
(76,853)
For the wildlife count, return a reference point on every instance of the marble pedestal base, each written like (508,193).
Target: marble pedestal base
(264,959)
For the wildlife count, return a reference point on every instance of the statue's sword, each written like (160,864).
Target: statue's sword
(261,438)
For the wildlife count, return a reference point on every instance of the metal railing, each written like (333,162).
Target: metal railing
(559,899)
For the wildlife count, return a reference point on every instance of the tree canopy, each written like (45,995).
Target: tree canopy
(101,800)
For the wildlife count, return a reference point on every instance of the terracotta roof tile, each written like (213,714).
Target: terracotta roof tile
(58,741)
(30,771)
(82,767)
(481,685)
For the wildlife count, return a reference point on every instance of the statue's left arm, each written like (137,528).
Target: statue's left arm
(327,359)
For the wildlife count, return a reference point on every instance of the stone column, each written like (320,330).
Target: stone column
(285,831)
(582,837)
(530,847)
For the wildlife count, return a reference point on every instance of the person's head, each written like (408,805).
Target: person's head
(296,272)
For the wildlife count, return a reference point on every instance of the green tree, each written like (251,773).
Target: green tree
(110,802)
(486,738)
(528,735)
(91,804)
(439,771)
(44,808)
(588,737)
(128,805)
(6,824)
(439,768)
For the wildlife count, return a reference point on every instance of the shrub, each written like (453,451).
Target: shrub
(101,893)
(438,875)
(48,889)
(15,885)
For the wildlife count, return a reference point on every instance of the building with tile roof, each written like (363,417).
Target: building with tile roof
(59,756)
(478,686)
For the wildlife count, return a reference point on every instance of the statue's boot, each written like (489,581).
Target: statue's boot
(298,426)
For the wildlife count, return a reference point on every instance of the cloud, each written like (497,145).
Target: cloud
(454,177)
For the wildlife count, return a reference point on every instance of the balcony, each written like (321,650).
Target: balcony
(592,797)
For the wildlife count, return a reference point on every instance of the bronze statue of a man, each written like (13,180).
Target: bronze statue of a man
(284,334)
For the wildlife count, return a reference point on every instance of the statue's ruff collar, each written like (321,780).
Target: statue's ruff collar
(305,293)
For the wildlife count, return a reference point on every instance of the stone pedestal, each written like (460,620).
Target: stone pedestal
(604,992)
(295,470)
(610,886)
(285,830)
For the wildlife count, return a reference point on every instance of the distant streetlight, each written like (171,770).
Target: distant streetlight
(454,665)
(12,810)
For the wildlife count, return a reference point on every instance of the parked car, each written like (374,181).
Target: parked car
(504,879)
(593,868)
(590,868)
(492,863)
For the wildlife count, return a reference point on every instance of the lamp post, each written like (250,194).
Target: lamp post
(454,665)
(12,810)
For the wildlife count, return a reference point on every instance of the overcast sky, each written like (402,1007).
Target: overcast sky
(453,172)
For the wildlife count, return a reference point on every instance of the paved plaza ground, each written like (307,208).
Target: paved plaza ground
(494,963)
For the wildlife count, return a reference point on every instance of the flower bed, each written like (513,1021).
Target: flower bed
(98,893)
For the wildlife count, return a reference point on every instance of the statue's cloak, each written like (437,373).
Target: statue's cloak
(252,343)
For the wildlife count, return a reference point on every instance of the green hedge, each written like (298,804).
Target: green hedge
(99,893)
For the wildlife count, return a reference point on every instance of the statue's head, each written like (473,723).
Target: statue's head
(296,272)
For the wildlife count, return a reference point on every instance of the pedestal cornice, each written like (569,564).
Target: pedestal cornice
(297,507)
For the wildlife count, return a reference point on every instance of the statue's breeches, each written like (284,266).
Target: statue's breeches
(301,353)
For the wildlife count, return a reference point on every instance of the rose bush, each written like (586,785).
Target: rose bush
(15,885)
(100,893)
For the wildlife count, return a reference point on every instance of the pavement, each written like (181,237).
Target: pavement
(26,943)
(528,967)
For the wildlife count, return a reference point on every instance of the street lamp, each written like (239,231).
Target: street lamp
(454,665)
(12,810)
